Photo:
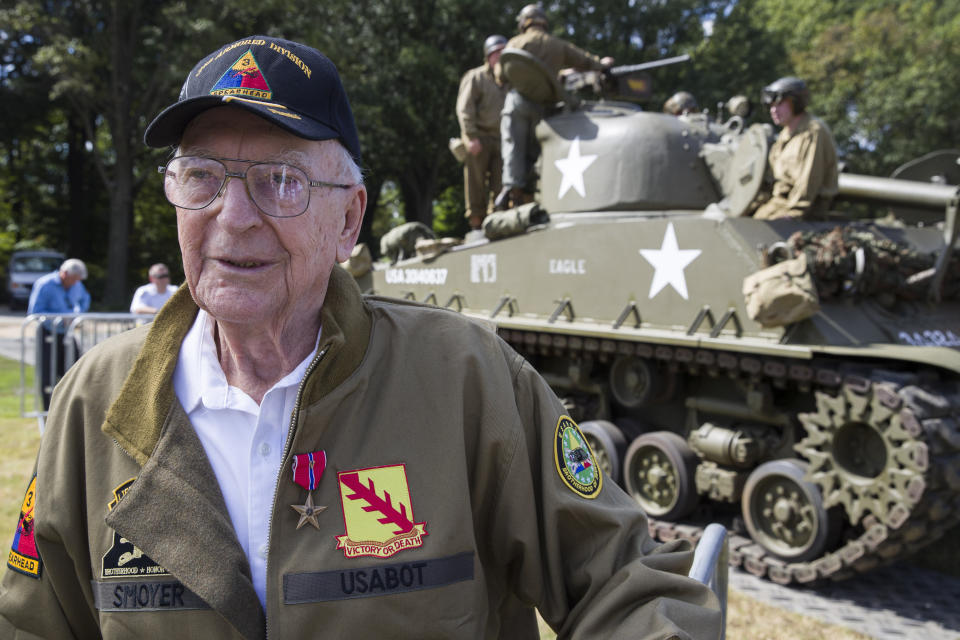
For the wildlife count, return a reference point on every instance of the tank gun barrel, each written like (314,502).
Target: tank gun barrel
(630,68)
(913,193)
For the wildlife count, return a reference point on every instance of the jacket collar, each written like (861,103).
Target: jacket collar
(136,418)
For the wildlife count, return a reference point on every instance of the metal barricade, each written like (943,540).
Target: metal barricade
(39,338)
(710,565)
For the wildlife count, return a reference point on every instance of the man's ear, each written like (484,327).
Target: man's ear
(352,220)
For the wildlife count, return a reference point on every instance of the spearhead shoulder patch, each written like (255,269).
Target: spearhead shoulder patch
(24,557)
(575,461)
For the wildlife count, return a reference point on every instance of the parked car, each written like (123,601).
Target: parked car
(24,269)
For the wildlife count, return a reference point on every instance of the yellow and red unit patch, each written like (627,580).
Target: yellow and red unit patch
(575,461)
(377,512)
(24,557)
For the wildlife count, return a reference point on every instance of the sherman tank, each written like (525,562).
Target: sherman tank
(826,439)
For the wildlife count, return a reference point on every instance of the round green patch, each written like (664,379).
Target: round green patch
(575,461)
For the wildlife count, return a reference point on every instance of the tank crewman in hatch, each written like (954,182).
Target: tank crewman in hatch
(479,104)
(348,466)
(520,115)
(680,103)
(803,160)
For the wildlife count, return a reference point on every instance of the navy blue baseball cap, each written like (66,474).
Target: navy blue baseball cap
(290,84)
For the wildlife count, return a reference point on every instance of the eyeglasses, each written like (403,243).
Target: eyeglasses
(162,275)
(279,190)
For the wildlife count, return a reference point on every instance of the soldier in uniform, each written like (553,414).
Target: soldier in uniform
(803,160)
(479,104)
(520,115)
(680,103)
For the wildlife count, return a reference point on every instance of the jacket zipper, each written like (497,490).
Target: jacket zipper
(286,449)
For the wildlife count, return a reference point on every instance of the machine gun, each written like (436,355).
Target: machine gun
(629,82)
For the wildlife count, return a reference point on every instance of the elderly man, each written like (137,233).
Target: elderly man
(803,160)
(277,455)
(58,292)
(519,146)
(150,297)
(61,291)
(479,103)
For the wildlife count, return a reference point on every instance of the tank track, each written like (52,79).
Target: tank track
(930,415)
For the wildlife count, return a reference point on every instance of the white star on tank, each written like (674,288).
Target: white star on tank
(572,168)
(668,262)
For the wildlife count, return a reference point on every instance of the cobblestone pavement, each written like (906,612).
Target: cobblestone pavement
(891,603)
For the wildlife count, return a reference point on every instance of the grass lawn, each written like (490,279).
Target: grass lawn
(19,439)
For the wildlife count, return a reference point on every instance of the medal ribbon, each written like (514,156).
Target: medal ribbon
(308,467)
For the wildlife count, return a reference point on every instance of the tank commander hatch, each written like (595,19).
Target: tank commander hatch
(803,160)
(520,115)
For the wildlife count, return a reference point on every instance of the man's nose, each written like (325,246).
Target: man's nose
(236,206)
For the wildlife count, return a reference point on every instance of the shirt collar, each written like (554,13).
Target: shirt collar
(199,378)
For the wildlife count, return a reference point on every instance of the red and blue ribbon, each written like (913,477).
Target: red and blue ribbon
(308,467)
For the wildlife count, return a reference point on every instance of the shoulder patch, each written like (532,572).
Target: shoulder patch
(575,461)
(24,557)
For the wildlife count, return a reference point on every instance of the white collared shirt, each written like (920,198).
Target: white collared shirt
(243,441)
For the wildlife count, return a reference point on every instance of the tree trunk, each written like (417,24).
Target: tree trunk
(125,19)
(366,230)
(417,187)
(77,235)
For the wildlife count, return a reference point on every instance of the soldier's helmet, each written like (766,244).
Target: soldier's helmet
(493,43)
(789,87)
(679,103)
(530,15)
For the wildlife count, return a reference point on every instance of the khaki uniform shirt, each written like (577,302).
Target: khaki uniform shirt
(447,511)
(554,52)
(479,104)
(804,167)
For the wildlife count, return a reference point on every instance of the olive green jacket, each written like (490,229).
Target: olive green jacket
(555,53)
(479,103)
(803,162)
(426,419)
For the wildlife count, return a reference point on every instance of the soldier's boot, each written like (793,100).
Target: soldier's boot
(511,197)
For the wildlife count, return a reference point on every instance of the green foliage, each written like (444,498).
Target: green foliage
(448,208)
(388,212)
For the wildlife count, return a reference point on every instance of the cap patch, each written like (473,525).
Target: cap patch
(575,461)
(377,513)
(243,79)
(24,557)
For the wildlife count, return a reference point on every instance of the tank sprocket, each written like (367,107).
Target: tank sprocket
(867,452)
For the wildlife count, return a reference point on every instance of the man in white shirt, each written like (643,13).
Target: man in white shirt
(150,297)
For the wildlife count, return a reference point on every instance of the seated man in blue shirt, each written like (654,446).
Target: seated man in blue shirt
(60,291)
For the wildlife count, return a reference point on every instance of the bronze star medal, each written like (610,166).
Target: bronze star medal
(308,512)
(307,469)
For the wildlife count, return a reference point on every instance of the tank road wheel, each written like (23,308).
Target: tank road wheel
(862,456)
(784,513)
(660,473)
(633,381)
(639,382)
(607,443)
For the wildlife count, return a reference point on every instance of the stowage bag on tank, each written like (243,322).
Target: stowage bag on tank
(781,294)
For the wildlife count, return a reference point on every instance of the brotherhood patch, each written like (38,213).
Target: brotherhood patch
(575,461)
(377,513)
(24,557)
(124,558)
